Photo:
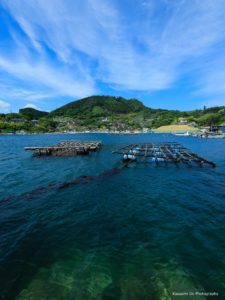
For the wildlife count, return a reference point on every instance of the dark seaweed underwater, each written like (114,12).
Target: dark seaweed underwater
(87,227)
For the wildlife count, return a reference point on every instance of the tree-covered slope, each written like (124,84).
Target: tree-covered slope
(92,110)
(99,106)
(107,113)
(32,113)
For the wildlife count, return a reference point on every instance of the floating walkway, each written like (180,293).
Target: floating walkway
(162,153)
(67,148)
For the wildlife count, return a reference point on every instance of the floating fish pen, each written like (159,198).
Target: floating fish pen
(66,148)
(169,152)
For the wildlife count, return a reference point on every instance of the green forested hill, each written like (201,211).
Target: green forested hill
(100,106)
(101,111)
(106,113)
(91,110)
(32,113)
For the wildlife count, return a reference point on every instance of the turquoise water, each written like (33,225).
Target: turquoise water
(144,232)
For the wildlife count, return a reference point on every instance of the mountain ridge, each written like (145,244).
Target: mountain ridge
(106,113)
(105,104)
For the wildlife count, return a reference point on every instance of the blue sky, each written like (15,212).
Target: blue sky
(167,53)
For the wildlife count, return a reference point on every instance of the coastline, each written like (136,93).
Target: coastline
(78,132)
(196,132)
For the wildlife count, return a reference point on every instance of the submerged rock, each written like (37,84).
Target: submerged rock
(48,286)
(135,276)
(62,276)
(141,277)
(83,276)
(96,284)
(172,282)
(133,288)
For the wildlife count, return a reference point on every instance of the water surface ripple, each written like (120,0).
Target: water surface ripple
(143,232)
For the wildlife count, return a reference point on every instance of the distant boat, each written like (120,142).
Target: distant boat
(211,135)
(182,133)
(216,136)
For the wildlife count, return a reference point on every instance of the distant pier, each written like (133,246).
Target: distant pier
(162,153)
(66,148)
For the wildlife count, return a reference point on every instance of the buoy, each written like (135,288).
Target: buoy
(129,157)
(161,159)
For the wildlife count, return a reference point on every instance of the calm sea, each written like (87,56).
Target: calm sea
(143,232)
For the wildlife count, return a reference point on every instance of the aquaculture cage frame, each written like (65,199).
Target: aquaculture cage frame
(67,148)
(162,152)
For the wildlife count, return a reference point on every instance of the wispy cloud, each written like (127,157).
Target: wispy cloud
(4,106)
(31,105)
(55,78)
(67,48)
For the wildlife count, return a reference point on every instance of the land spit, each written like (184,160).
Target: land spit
(66,148)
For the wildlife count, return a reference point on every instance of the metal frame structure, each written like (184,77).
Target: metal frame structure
(66,148)
(162,152)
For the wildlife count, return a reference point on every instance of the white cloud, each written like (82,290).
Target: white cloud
(30,105)
(55,78)
(4,107)
(145,47)
(210,83)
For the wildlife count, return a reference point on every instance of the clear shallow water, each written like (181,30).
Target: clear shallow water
(142,233)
